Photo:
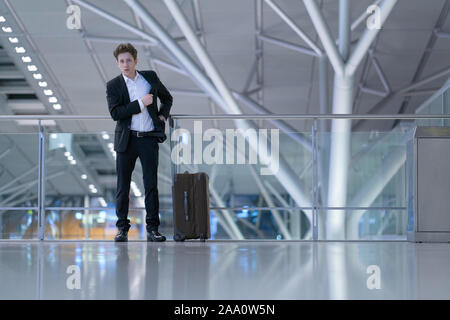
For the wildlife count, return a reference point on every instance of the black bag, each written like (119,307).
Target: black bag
(161,135)
(190,196)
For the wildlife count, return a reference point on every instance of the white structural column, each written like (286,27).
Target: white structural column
(342,101)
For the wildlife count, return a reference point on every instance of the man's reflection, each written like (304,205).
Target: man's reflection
(122,271)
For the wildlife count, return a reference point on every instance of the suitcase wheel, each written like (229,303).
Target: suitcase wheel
(179,237)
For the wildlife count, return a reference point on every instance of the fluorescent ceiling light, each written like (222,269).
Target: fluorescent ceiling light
(2,19)
(48,92)
(52,100)
(57,106)
(32,68)
(73,162)
(13,39)
(42,84)
(7,29)
(26,59)
(37,76)
(83,176)
(53,136)
(104,204)
(20,49)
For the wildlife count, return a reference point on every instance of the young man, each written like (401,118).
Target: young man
(132,103)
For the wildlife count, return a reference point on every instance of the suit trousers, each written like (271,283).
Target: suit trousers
(147,149)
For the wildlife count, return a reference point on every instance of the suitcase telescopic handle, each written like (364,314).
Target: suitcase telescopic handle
(186,215)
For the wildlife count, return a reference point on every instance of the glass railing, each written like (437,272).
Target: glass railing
(265,183)
(438,103)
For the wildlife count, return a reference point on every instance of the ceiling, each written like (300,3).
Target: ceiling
(74,66)
(290,83)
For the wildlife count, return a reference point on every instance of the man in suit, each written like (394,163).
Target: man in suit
(140,125)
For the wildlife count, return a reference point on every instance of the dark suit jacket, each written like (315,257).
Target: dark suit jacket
(121,109)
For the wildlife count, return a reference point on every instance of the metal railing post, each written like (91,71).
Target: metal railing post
(172,125)
(41,196)
(314,178)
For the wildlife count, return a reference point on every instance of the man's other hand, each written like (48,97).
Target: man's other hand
(147,99)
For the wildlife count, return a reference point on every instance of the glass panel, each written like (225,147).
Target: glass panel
(238,177)
(376,178)
(18,181)
(18,169)
(447,106)
(380,224)
(81,171)
(439,105)
(99,224)
(260,224)
(18,224)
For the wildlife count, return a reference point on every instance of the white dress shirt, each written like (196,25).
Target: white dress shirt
(137,88)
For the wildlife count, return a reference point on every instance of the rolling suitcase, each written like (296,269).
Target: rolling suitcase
(190,194)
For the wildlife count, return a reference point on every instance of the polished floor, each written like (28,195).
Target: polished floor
(224,270)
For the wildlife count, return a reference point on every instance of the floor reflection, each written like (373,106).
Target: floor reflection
(224,270)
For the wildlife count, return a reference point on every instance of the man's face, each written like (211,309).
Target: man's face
(126,63)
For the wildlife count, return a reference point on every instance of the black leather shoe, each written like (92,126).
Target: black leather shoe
(122,236)
(155,236)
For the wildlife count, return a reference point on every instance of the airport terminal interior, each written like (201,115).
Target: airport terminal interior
(323,127)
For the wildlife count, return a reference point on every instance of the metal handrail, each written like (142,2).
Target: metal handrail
(242,116)
(211,208)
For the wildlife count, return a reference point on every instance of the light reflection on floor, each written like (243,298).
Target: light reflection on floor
(223,270)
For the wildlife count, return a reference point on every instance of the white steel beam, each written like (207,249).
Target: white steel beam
(325,36)
(380,72)
(287,44)
(118,40)
(368,37)
(283,15)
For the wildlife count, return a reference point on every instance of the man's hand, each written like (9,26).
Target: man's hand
(162,117)
(147,99)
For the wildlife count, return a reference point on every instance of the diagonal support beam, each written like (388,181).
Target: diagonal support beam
(275,213)
(380,72)
(368,37)
(283,15)
(282,125)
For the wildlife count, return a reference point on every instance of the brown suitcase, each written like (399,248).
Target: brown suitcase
(190,194)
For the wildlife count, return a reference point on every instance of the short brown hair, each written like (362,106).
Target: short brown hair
(125,47)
